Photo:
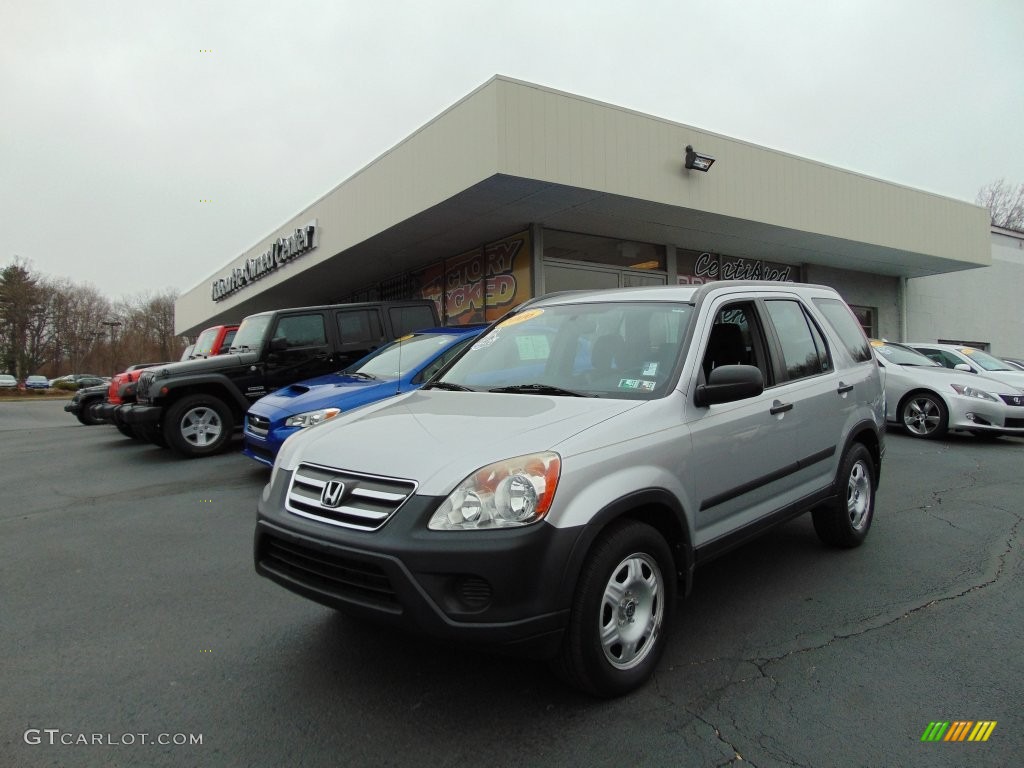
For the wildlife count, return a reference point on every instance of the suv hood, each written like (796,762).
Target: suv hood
(437,438)
(204,364)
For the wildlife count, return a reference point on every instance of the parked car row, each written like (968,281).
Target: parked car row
(928,399)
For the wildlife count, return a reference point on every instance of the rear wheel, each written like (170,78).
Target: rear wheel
(924,415)
(620,613)
(845,521)
(198,425)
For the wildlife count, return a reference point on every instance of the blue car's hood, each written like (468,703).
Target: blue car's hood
(332,390)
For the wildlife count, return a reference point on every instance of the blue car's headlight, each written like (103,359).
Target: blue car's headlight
(312,418)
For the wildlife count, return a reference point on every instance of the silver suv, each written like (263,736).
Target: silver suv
(556,485)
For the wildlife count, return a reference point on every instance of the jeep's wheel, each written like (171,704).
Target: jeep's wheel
(620,612)
(845,521)
(198,425)
(85,416)
(924,415)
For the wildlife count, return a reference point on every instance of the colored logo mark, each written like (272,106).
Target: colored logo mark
(959,730)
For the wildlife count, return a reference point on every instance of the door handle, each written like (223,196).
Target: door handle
(778,407)
(844,388)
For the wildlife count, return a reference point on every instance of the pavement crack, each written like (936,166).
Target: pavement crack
(737,757)
(761,662)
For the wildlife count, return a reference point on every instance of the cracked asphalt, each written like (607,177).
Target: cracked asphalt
(128,606)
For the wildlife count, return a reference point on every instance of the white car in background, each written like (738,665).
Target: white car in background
(970,360)
(7,381)
(928,399)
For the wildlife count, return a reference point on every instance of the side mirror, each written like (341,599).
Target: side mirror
(963,367)
(279,344)
(729,383)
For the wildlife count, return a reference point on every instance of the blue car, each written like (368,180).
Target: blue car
(401,366)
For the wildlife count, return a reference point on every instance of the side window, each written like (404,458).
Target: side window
(847,328)
(803,349)
(359,328)
(302,330)
(736,339)
(408,319)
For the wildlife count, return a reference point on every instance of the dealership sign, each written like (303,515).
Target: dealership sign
(282,250)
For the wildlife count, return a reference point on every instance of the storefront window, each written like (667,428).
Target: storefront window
(866,317)
(626,254)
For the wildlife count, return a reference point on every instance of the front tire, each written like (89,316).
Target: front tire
(198,425)
(924,415)
(621,611)
(845,521)
(85,416)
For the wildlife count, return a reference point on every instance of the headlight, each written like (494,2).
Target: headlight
(960,389)
(311,418)
(505,494)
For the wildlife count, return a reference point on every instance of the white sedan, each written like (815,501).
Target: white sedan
(928,399)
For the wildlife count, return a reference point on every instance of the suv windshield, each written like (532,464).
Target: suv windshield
(600,349)
(204,344)
(900,355)
(250,333)
(402,355)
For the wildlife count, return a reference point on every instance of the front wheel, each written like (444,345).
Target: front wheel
(620,613)
(198,425)
(924,415)
(84,414)
(845,521)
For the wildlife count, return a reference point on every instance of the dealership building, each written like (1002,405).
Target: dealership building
(519,190)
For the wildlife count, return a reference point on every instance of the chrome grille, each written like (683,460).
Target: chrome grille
(258,425)
(366,502)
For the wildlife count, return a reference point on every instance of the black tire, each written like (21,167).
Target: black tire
(846,520)
(198,425)
(84,414)
(924,415)
(620,613)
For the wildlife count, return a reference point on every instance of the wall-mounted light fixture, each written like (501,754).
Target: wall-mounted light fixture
(695,161)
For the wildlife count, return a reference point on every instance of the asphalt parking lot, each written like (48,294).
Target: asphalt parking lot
(129,606)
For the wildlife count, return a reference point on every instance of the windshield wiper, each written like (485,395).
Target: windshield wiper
(539,389)
(359,375)
(239,348)
(449,386)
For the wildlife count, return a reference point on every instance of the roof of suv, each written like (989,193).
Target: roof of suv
(670,292)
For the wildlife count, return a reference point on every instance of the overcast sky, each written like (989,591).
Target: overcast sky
(118,118)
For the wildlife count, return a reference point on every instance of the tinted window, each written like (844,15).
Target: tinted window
(803,349)
(407,319)
(847,328)
(302,330)
(360,327)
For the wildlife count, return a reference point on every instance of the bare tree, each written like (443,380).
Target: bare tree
(1005,204)
(20,305)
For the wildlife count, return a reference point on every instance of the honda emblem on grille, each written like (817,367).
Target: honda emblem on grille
(331,495)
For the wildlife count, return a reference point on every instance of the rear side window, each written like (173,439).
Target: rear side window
(803,349)
(360,328)
(302,330)
(408,319)
(847,328)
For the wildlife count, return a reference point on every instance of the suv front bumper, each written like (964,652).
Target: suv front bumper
(139,415)
(508,589)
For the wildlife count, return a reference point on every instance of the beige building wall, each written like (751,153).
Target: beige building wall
(983,305)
